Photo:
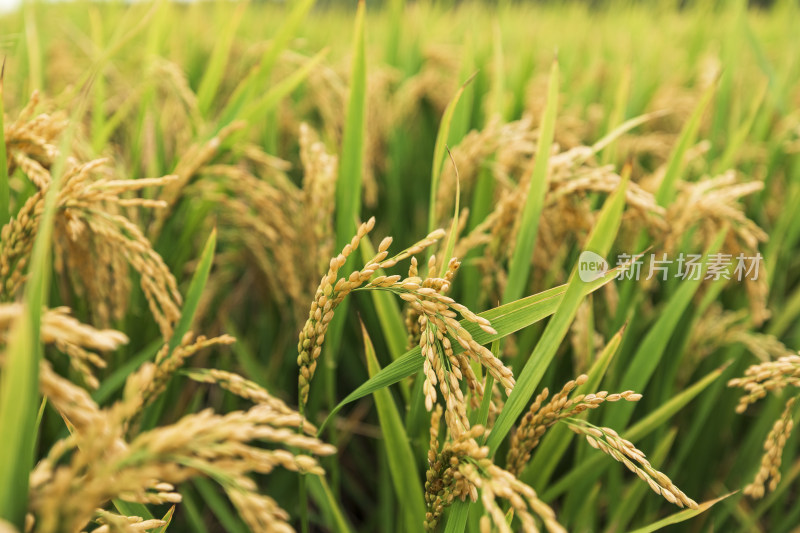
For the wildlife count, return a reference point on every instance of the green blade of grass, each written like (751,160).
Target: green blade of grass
(611,137)
(255,111)
(126,32)
(592,468)
(457,520)
(116,380)
(39,416)
(505,319)
(676,163)
(168,519)
(497,89)
(598,370)
(5,191)
(348,186)
(254,369)
(440,150)
(132,509)
(652,349)
(396,8)
(19,381)
(33,46)
(215,69)
(196,287)
(398,448)
(481,207)
(259,75)
(636,491)
(228,519)
(405,366)
(348,205)
(617,116)
(462,117)
(388,311)
(786,316)
(349,183)
(323,496)
(557,440)
(520,265)
(681,516)
(18,398)
(415,408)
(452,236)
(98,84)
(599,242)
(763,62)
(736,141)
(120,115)
(482,416)
(194,515)
(657,418)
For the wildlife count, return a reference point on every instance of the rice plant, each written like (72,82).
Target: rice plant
(404,266)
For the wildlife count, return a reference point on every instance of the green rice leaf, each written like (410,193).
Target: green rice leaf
(194,515)
(520,266)
(323,496)
(497,89)
(402,467)
(196,287)
(19,381)
(505,319)
(259,107)
(621,97)
(676,163)
(98,84)
(636,492)
(440,149)
(168,519)
(132,509)
(116,379)
(215,69)
(593,467)
(652,348)
(483,413)
(5,196)
(348,186)
(259,75)
(600,243)
(681,516)
(736,141)
(452,234)
(388,311)
(219,505)
(611,137)
(457,519)
(556,441)
(33,46)
(253,368)
(396,9)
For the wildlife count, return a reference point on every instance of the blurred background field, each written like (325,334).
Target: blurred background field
(252,105)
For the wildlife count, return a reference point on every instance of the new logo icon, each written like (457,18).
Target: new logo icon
(591,266)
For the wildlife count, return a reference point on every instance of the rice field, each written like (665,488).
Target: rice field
(398,267)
